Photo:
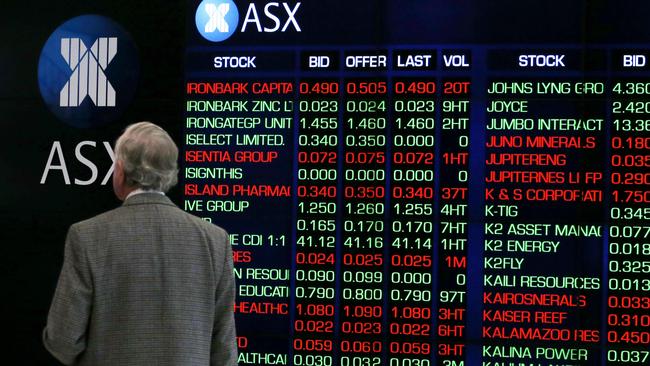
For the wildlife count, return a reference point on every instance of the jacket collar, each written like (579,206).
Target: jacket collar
(148,198)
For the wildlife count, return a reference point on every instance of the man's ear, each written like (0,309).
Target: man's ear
(119,180)
(118,171)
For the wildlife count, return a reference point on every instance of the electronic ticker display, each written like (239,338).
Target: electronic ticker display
(415,202)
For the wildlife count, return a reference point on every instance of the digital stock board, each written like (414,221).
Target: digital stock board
(404,182)
(402,192)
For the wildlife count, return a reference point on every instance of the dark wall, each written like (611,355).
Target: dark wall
(34,217)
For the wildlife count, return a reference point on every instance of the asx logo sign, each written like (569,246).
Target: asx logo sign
(56,162)
(217,20)
(88,71)
(88,78)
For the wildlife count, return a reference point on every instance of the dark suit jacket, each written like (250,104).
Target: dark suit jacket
(144,284)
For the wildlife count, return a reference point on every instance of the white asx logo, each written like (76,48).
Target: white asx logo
(75,66)
(217,14)
(88,72)
(216,20)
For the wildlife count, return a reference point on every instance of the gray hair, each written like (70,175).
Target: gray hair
(148,156)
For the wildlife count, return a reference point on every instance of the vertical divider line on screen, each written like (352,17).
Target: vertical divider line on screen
(605,216)
(340,205)
(476,199)
(294,202)
(388,237)
(436,206)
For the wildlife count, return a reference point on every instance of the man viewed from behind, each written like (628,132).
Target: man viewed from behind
(145,283)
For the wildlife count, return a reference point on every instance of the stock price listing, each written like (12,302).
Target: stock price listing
(425,204)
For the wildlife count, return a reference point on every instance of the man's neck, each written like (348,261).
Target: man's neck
(136,191)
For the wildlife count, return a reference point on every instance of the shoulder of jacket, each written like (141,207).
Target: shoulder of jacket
(210,227)
(98,220)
